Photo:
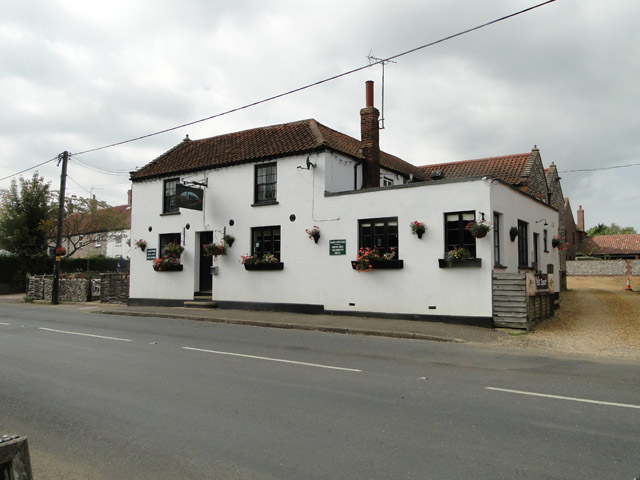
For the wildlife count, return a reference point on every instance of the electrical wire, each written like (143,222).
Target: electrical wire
(597,169)
(274,97)
(319,82)
(30,168)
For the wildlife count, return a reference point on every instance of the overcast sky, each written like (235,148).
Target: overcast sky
(78,75)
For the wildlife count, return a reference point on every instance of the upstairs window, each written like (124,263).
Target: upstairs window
(380,234)
(266,241)
(266,183)
(456,235)
(169,204)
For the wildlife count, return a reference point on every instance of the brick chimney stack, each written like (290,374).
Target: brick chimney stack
(370,137)
(580,219)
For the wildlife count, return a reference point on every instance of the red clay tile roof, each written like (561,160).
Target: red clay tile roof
(115,218)
(611,245)
(261,144)
(508,168)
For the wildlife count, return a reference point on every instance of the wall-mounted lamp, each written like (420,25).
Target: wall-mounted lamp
(542,220)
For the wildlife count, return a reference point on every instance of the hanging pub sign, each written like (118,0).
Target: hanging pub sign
(189,197)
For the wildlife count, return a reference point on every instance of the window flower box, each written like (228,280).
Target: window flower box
(168,268)
(464,263)
(381,264)
(264,266)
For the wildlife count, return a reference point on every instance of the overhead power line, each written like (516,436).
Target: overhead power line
(30,168)
(319,82)
(290,92)
(596,169)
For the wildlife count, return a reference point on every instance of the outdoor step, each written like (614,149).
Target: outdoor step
(200,303)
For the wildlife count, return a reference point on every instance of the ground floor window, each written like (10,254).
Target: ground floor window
(166,239)
(523,244)
(497,232)
(266,241)
(456,235)
(380,234)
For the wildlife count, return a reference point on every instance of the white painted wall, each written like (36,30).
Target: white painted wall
(311,275)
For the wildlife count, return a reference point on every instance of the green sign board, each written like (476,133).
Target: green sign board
(337,247)
(151,253)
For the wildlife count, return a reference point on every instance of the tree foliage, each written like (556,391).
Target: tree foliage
(613,229)
(25,211)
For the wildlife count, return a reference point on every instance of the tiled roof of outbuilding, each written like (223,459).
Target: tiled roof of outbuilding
(611,245)
(508,168)
(262,144)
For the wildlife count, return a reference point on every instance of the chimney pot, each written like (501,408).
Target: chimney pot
(369,90)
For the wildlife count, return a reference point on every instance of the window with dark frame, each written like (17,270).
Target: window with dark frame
(456,235)
(523,244)
(266,183)
(169,204)
(380,234)
(496,238)
(536,253)
(166,239)
(266,241)
(545,240)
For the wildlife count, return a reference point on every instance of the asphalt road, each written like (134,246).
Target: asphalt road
(105,397)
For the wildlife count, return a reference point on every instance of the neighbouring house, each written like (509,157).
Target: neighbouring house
(613,247)
(102,231)
(272,188)
(574,233)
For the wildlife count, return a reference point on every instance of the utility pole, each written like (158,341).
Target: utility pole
(64,158)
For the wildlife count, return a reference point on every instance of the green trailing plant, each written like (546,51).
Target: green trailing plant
(457,254)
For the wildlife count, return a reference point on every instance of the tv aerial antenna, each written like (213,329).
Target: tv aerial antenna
(374,61)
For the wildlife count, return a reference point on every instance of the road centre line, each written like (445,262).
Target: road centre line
(2,323)
(255,357)
(85,334)
(559,397)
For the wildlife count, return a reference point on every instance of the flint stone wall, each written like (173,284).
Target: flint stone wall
(602,267)
(70,290)
(114,288)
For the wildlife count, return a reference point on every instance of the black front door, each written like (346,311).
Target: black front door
(205,263)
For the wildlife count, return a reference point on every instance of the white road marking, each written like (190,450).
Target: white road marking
(273,359)
(2,323)
(559,397)
(85,334)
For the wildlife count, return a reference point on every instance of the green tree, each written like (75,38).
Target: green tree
(24,215)
(613,229)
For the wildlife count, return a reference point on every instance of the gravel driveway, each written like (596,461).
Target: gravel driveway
(597,316)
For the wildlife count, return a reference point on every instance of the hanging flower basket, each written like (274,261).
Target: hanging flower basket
(478,229)
(418,228)
(141,244)
(558,243)
(60,251)
(215,249)
(314,233)
(229,239)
